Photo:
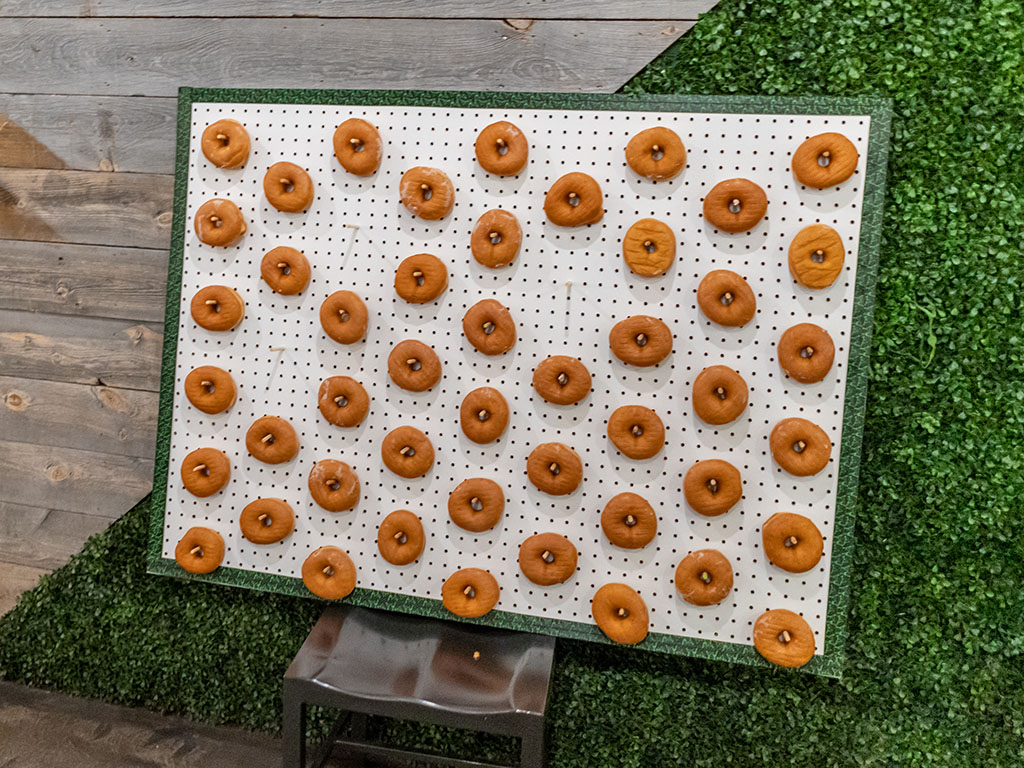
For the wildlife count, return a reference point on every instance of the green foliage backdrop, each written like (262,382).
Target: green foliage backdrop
(934,673)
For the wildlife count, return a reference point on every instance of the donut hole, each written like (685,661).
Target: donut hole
(341,401)
(735,205)
(483,414)
(818,256)
(475,504)
(629,521)
(657,153)
(202,469)
(400,537)
(285,267)
(721,393)
(408,451)
(554,468)
(419,277)
(572,199)
(494,237)
(333,484)
(213,306)
(712,485)
(636,430)
(784,637)
(217,222)
(208,386)
(790,541)
(807,352)
(357,144)
(488,327)
(562,379)
(650,246)
(287,186)
(469,591)
(825,159)
(705,577)
(726,299)
(265,520)
(501,146)
(640,339)
(799,446)
(426,192)
(414,364)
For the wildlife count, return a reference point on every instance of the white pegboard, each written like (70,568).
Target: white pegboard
(719,146)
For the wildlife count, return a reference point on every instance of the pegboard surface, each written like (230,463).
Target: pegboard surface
(355,235)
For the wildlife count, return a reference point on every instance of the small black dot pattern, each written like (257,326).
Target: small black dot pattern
(355,235)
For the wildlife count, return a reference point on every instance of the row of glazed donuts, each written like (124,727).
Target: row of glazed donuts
(657,153)
(704,577)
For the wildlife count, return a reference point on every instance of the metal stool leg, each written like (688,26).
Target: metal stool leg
(532,754)
(293,730)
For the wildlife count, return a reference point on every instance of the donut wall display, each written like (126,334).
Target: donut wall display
(593,368)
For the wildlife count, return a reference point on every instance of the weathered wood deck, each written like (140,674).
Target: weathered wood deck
(87,105)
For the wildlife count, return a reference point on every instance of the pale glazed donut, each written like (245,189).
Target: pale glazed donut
(226,143)
(358,147)
(220,223)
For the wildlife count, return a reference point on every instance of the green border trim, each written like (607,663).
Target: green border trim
(828,664)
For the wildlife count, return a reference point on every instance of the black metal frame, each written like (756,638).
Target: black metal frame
(300,694)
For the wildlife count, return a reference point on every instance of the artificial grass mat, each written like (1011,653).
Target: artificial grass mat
(934,672)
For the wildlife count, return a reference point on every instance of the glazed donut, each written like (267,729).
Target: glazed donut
(719,395)
(200,550)
(205,471)
(217,308)
(334,485)
(562,380)
(629,521)
(344,317)
(477,504)
(489,327)
(806,352)
(574,200)
(800,447)
(792,542)
(725,298)
(816,256)
(547,559)
(636,431)
(226,144)
(825,160)
(288,187)
(470,593)
(649,248)
(219,223)
(329,573)
(266,521)
(484,415)
(358,147)
(210,389)
(640,340)
(736,205)
(784,638)
(407,452)
(712,487)
(554,468)
(414,366)
(502,149)
(400,537)
(285,270)
(427,193)
(421,278)
(272,440)
(620,613)
(656,153)
(343,401)
(496,238)
(704,577)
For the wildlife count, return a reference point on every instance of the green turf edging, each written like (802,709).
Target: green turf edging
(934,673)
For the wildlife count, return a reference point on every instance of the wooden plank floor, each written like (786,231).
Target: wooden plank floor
(87,113)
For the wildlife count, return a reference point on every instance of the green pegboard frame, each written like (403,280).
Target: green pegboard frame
(828,664)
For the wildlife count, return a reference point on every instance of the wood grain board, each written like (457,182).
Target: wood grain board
(101,735)
(87,108)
